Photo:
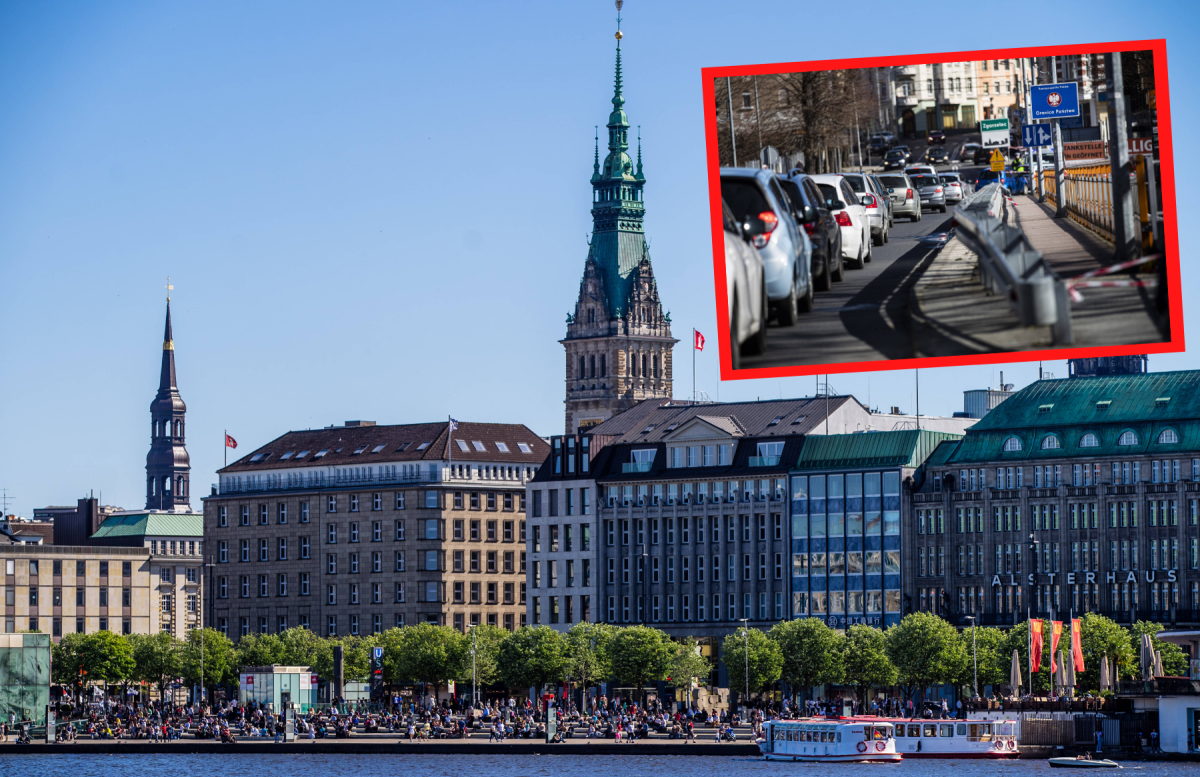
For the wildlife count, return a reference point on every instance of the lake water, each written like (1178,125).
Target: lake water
(67,765)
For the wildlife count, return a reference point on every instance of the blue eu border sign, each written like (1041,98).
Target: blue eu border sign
(1054,101)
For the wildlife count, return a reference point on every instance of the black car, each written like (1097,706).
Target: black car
(808,206)
(981,155)
(896,158)
(937,155)
(936,136)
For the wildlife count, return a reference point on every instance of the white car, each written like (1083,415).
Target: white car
(874,203)
(851,216)
(952,183)
(747,292)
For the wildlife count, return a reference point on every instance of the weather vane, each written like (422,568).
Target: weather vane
(619,33)
(169,287)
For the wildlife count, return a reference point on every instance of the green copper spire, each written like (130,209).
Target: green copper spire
(596,156)
(639,175)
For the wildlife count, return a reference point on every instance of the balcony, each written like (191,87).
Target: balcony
(906,71)
(906,100)
(636,466)
(764,461)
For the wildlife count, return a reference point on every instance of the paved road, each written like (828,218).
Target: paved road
(865,318)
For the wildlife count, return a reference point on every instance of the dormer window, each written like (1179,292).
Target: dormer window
(257,458)
(1050,442)
(1012,444)
(423,446)
(524,446)
(321,453)
(286,456)
(1089,441)
(1103,404)
(378,448)
(1045,408)
(479,446)
(1168,437)
(462,446)
(503,447)
(1128,437)
(359,450)
(1162,401)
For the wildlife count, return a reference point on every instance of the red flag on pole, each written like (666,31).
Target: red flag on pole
(699,344)
(230,442)
(1035,649)
(1077,643)
(1055,636)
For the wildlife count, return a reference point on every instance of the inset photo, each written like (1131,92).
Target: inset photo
(943,209)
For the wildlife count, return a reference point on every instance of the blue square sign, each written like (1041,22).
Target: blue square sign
(1054,101)
(1033,135)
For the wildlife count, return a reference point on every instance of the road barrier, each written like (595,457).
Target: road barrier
(1087,191)
(1010,266)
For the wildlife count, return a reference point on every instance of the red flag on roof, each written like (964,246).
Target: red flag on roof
(699,344)
(230,442)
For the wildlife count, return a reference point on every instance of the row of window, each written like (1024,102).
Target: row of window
(569,505)
(667,567)
(1128,437)
(701,603)
(1050,475)
(568,538)
(569,579)
(854,562)
(697,527)
(34,567)
(355,623)
(1045,517)
(1123,555)
(697,493)
(849,602)
(56,597)
(34,623)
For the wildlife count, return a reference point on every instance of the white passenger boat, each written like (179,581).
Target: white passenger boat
(955,738)
(829,739)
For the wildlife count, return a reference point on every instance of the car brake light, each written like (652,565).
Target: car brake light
(937,190)
(770,221)
(810,227)
(843,219)
(910,195)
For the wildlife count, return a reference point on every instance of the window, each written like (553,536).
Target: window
(1089,441)
(1128,437)
(331,534)
(1167,437)
(1012,444)
(1049,442)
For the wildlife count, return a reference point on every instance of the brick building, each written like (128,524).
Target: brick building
(358,528)
(1079,494)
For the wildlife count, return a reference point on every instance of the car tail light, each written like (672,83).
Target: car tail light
(770,221)
(937,190)
(810,228)
(843,219)
(910,195)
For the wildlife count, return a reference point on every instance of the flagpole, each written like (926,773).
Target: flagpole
(226,447)
(449,440)
(693,365)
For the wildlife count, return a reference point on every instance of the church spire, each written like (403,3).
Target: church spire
(166,379)
(168,467)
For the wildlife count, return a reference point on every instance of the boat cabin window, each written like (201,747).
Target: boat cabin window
(914,729)
(962,729)
(947,729)
(900,730)
(1006,729)
(881,732)
(929,730)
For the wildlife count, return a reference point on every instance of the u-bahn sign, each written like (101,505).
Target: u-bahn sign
(994,132)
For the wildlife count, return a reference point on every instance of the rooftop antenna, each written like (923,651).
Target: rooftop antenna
(4,500)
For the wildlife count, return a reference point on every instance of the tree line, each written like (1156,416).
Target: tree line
(921,652)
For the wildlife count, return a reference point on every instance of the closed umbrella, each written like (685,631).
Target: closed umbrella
(1069,673)
(1105,682)
(1060,675)
(1147,658)
(1158,667)
(1014,674)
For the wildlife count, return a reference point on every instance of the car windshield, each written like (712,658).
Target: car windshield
(950,178)
(856,183)
(894,154)
(986,174)
(924,180)
(829,192)
(744,197)
(893,182)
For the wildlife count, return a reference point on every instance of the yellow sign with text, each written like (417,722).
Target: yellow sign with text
(997,160)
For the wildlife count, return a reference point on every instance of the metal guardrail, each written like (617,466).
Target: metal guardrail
(1010,266)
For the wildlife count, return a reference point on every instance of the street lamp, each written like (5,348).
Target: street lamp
(746,648)
(1033,551)
(974,655)
(474,680)
(207,565)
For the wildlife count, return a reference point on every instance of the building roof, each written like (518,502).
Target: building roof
(1104,407)
(906,448)
(150,524)
(368,444)
(655,420)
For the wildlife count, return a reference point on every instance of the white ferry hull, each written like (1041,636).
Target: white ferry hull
(847,758)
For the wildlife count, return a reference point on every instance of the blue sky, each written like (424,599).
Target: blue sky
(378,210)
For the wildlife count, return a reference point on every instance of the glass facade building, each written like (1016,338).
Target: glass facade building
(24,677)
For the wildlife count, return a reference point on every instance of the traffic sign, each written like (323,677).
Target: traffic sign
(997,160)
(1033,135)
(1054,101)
(994,132)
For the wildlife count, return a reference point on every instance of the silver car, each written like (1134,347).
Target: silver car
(905,200)
(760,206)
(931,191)
(878,211)
(952,182)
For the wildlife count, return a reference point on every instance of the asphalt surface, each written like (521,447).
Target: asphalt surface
(865,317)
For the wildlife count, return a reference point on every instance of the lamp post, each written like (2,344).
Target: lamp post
(207,565)
(974,655)
(746,648)
(1033,551)
(474,677)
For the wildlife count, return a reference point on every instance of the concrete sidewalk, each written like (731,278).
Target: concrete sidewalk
(954,315)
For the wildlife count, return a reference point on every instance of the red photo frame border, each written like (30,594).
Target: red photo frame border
(708,76)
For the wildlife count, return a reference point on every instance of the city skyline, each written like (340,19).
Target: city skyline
(294,208)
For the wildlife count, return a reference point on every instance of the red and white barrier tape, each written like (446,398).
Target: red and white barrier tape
(1113,268)
(1077,297)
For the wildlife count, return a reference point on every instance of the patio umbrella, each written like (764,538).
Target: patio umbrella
(1060,675)
(1069,673)
(1014,674)
(1105,682)
(1158,667)
(1147,658)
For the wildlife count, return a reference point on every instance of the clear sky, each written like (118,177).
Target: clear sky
(378,210)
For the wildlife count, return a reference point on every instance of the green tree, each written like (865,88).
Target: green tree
(990,650)
(533,656)
(812,653)
(1175,663)
(108,657)
(425,653)
(485,640)
(640,655)
(1099,637)
(750,654)
(261,650)
(219,658)
(356,656)
(926,651)
(301,647)
(158,659)
(589,659)
(866,662)
(66,660)
(688,663)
